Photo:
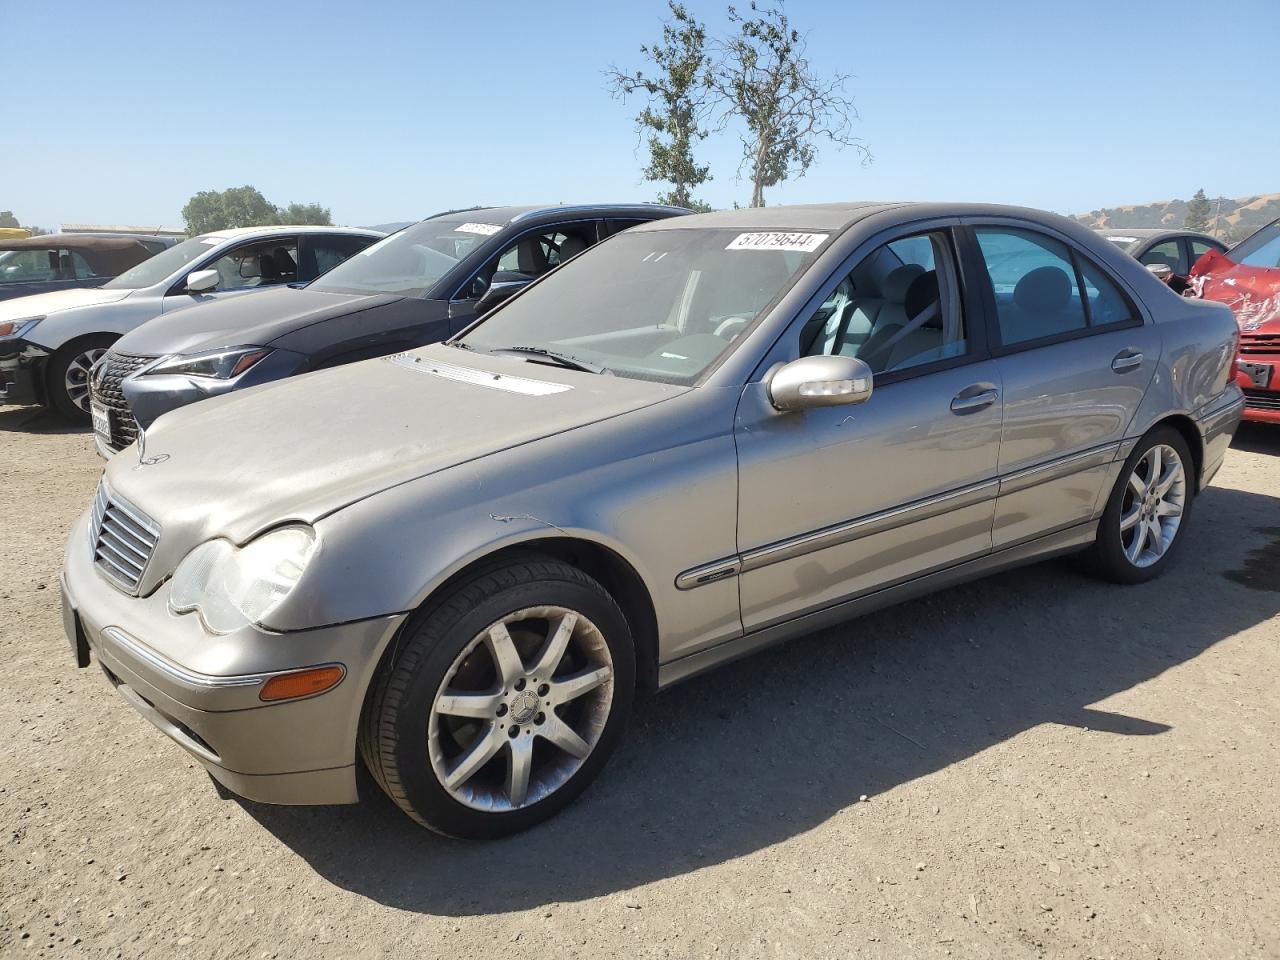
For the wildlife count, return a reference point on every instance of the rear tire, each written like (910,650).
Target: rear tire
(1142,528)
(530,666)
(67,375)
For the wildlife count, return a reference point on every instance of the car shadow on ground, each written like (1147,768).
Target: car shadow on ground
(37,420)
(776,744)
(1261,438)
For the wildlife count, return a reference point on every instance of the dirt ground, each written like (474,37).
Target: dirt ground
(1035,765)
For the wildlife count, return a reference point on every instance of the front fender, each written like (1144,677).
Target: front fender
(657,487)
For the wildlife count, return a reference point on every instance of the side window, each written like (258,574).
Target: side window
(898,308)
(533,255)
(1034,282)
(20,266)
(330,250)
(1168,253)
(1107,305)
(1199,248)
(81,266)
(617,226)
(262,263)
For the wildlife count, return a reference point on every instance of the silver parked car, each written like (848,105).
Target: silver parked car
(458,565)
(49,342)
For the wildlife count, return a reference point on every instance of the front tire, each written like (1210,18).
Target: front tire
(1144,522)
(503,700)
(67,375)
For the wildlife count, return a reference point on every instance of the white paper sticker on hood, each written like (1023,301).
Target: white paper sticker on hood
(484,229)
(802,242)
(478,378)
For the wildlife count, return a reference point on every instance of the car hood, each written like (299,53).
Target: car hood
(238,320)
(1252,293)
(43,304)
(305,447)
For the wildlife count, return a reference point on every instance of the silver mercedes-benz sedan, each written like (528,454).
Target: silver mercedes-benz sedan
(460,565)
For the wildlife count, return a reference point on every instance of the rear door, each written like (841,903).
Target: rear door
(1075,356)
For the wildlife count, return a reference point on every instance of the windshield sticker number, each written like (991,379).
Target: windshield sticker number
(484,229)
(801,242)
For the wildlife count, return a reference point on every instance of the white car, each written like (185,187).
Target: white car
(49,342)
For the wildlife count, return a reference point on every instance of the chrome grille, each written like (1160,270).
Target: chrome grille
(122,540)
(105,387)
(1259,343)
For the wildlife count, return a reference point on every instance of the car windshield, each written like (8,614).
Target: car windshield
(411,262)
(151,271)
(657,305)
(1260,250)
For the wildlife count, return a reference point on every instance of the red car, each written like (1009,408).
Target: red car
(1247,279)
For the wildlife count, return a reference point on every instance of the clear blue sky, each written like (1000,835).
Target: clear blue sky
(383,111)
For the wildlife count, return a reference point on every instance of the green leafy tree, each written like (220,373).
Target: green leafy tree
(212,210)
(786,108)
(678,92)
(7,219)
(1198,210)
(311,214)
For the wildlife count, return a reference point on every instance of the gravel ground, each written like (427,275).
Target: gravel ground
(1035,765)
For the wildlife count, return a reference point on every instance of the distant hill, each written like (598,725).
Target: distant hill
(1234,221)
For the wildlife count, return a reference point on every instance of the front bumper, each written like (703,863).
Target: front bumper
(22,366)
(1258,374)
(202,690)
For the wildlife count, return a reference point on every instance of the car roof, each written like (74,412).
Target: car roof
(237,233)
(513,214)
(1147,233)
(838,216)
(75,241)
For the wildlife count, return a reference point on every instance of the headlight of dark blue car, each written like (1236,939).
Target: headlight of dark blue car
(222,364)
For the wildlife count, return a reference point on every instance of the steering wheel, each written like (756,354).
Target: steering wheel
(730,327)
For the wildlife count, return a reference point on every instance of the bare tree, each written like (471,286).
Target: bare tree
(678,98)
(763,78)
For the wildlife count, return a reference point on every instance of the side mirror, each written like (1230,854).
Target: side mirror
(500,290)
(819,382)
(1161,271)
(202,281)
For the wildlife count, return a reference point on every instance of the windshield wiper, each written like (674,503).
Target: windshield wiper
(563,359)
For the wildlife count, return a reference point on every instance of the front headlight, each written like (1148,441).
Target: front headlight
(232,587)
(12,329)
(220,364)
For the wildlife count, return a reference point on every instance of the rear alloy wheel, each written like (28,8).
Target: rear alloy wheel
(503,701)
(1147,511)
(69,372)
(1152,506)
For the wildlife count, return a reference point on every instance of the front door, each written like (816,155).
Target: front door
(253,265)
(1075,358)
(525,259)
(840,501)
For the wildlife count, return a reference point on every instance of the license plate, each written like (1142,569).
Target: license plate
(101,421)
(1259,373)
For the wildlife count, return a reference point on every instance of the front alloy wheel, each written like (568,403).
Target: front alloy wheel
(502,699)
(522,707)
(69,372)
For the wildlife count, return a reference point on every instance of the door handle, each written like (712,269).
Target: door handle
(1126,360)
(975,398)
